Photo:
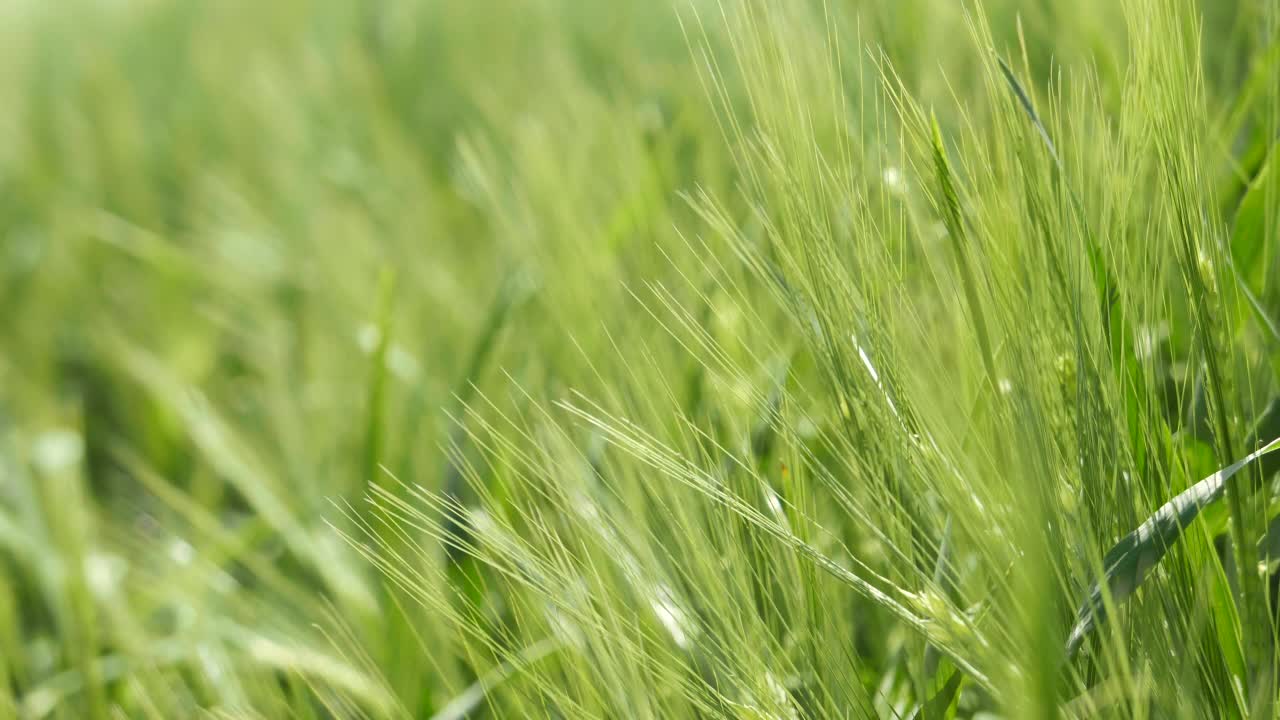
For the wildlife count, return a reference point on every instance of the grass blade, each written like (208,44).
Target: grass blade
(1128,562)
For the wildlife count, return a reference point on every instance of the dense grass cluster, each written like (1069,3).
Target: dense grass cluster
(597,359)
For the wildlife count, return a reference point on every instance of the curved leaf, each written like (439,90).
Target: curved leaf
(1128,562)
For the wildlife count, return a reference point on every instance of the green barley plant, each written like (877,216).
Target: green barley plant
(706,358)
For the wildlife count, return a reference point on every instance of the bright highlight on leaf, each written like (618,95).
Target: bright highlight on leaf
(1130,560)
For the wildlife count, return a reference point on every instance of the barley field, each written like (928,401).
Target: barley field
(760,359)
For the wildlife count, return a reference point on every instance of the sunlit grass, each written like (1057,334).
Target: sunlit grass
(748,358)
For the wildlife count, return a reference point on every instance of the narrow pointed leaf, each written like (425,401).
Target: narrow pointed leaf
(940,703)
(1126,565)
